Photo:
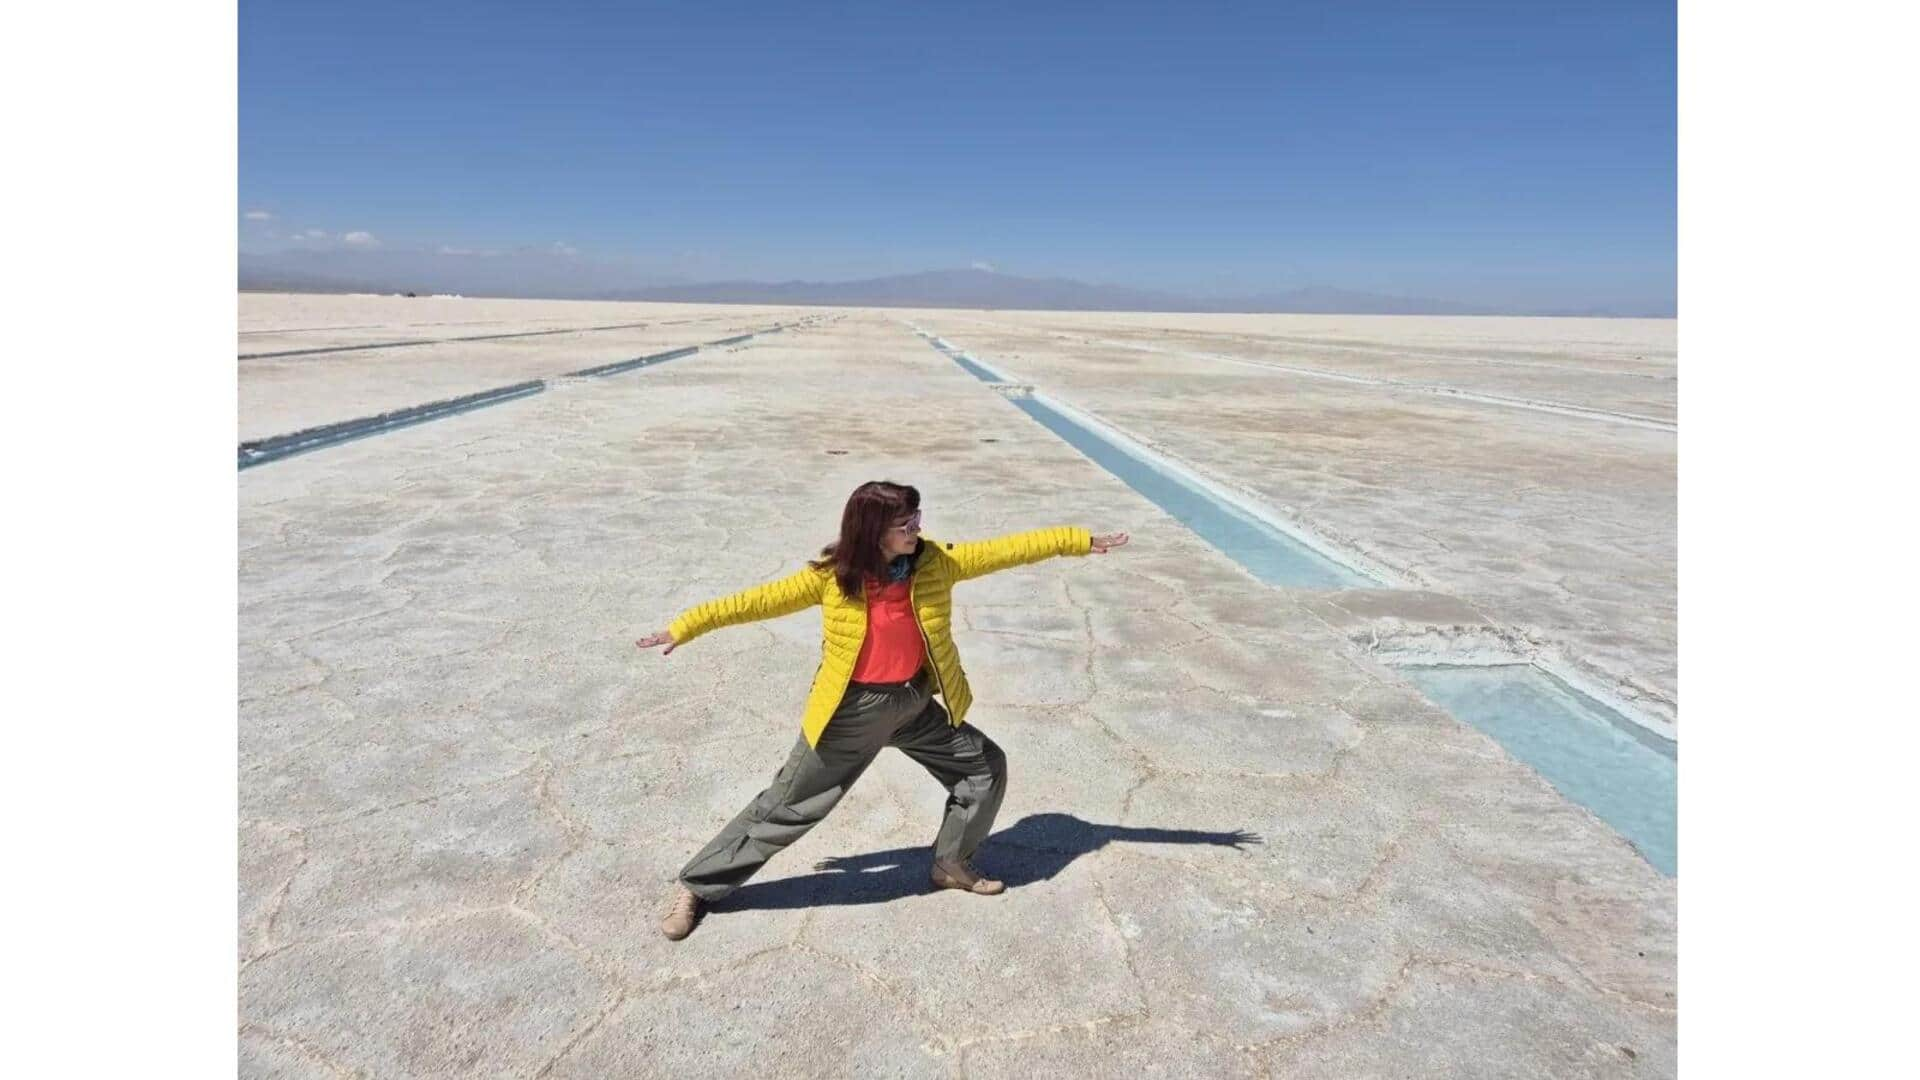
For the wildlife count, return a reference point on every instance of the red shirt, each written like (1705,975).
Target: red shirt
(894,648)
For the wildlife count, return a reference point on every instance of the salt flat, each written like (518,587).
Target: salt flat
(463,791)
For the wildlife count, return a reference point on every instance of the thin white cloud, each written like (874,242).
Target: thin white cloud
(562,248)
(359,239)
(258,215)
(982,264)
(312,234)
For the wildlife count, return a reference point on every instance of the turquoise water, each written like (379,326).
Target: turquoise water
(966,362)
(974,369)
(1625,774)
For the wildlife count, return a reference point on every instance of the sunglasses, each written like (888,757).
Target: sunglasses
(912,524)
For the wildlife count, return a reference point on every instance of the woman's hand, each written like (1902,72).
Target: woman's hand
(1107,541)
(661,638)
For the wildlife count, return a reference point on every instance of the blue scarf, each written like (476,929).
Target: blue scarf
(900,568)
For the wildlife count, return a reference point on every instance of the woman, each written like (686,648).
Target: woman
(887,599)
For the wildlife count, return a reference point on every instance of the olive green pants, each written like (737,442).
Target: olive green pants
(869,719)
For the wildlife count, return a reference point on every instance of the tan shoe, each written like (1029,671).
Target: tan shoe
(682,913)
(952,875)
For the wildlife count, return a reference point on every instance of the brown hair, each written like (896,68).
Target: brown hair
(871,510)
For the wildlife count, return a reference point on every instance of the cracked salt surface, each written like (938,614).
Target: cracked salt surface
(483,796)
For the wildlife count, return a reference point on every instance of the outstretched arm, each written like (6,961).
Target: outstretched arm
(770,601)
(981,557)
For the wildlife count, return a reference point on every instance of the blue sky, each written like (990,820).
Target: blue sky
(1504,153)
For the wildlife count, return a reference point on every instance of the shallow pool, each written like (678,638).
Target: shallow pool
(1622,772)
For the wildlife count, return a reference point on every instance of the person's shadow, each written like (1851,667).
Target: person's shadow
(1034,849)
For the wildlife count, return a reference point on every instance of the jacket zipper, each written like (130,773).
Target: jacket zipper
(925,642)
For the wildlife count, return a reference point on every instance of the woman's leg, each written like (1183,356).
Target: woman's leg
(800,797)
(969,766)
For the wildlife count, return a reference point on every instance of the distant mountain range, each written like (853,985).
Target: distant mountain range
(537,275)
(989,289)
(532,274)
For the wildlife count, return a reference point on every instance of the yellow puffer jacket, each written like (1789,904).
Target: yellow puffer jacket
(844,619)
